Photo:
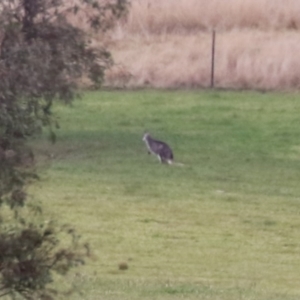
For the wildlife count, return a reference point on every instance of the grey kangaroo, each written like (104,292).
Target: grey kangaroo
(160,149)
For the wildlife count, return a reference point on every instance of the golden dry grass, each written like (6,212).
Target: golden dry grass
(168,44)
(157,16)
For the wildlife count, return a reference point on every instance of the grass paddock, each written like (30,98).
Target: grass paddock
(224,226)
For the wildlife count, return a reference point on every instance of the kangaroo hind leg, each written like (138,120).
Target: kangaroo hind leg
(170,161)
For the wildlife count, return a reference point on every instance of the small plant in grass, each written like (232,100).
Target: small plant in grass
(123,266)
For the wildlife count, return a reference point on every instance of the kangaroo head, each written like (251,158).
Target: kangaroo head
(146,136)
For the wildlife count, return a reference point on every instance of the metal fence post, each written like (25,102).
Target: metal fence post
(212,79)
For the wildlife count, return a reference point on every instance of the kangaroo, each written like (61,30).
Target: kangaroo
(162,150)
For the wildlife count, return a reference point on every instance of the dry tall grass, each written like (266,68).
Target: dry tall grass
(160,16)
(167,43)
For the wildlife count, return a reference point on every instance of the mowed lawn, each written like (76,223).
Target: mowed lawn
(226,225)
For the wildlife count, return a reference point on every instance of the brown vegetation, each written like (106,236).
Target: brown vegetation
(168,44)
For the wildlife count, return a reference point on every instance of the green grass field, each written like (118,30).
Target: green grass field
(224,226)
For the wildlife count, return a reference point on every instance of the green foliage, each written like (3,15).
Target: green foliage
(31,251)
(42,57)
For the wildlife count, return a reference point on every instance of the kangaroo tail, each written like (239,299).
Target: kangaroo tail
(178,164)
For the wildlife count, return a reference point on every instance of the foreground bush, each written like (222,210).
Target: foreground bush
(42,57)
